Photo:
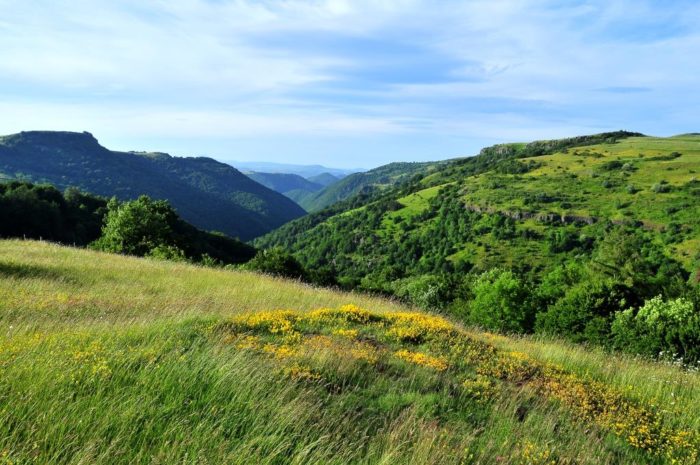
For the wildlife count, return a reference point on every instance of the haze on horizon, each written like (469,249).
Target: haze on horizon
(346,83)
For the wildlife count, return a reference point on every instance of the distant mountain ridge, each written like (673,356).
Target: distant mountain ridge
(324,179)
(305,171)
(292,186)
(235,204)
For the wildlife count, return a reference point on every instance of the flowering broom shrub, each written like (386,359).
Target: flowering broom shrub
(339,348)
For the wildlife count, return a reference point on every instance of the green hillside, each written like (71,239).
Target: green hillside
(589,226)
(235,204)
(324,179)
(118,360)
(292,186)
(367,182)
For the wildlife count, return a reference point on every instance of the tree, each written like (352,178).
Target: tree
(501,302)
(137,227)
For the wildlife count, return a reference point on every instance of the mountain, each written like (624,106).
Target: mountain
(578,228)
(305,171)
(117,360)
(283,182)
(209,194)
(325,179)
(292,186)
(374,180)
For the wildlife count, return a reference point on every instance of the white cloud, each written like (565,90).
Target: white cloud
(203,68)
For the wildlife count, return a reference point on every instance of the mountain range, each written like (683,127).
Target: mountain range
(306,171)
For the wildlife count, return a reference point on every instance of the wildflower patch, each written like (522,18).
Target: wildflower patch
(314,346)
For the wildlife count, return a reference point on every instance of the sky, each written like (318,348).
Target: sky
(346,83)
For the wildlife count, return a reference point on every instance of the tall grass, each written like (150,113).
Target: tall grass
(111,359)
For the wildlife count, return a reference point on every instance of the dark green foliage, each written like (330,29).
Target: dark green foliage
(277,262)
(585,311)
(516,167)
(206,193)
(145,227)
(562,240)
(631,257)
(427,291)
(611,165)
(137,227)
(43,212)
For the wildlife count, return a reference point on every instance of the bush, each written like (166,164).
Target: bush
(167,252)
(660,326)
(585,311)
(660,188)
(562,240)
(501,302)
(277,262)
(427,291)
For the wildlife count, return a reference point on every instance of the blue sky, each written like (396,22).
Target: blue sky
(346,83)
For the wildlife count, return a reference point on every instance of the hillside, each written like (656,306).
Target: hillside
(648,182)
(367,182)
(113,359)
(235,204)
(292,186)
(325,179)
(579,229)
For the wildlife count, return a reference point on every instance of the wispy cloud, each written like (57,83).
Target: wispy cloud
(371,80)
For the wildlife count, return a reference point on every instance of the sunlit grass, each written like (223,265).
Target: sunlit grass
(111,359)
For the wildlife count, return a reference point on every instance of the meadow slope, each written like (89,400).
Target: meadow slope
(112,359)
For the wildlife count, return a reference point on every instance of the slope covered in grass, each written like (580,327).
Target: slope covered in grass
(111,359)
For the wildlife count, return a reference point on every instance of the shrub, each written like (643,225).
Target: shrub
(277,262)
(501,302)
(660,188)
(562,240)
(585,311)
(671,326)
(167,252)
(145,227)
(427,291)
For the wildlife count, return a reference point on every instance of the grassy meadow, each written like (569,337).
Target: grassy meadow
(113,359)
